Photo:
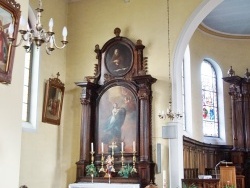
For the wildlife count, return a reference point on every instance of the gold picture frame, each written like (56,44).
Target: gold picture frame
(9,14)
(53,101)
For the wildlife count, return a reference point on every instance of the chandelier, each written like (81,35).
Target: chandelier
(169,113)
(39,35)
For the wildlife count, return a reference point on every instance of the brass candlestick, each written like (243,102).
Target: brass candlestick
(92,175)
(122,158)
(92,156)
(102,161)
(134,160)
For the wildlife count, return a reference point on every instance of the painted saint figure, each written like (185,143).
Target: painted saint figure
(112,127)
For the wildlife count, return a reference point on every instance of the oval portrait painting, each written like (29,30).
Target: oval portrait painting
(118,59)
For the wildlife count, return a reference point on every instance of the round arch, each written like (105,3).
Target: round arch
(176,145)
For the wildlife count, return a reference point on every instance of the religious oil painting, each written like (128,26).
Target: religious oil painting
(9,16)
(53,100)
(118,120)
(118,59)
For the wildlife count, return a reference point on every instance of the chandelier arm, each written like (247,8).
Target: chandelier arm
(20,42)
(63,42)
(48,51)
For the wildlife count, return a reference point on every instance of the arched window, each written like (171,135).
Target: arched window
(210,115)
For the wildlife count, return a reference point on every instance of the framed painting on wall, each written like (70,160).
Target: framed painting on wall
(53,100)
(118,119)
(9,14)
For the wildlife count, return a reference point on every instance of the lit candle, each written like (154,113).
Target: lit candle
(102,147)
(64,33)
(164,180)
(133,146)
(122,146)
(11,30)
(92,147)
(51,24)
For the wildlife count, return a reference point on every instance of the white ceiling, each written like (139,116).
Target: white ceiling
(231,17)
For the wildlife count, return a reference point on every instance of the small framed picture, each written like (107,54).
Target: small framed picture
(53,101)
(119,59)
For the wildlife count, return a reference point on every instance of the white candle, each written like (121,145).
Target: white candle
(51,24)
(164,179)
(122,146)
(92,147)
(102,147)
(133,146)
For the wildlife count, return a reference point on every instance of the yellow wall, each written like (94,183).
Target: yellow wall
(42,158)
(10,123)
(226,53)
(92,22)
(48,155)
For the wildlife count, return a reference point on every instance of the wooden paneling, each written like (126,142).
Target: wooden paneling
(200,183)
(240,181)
(202,156)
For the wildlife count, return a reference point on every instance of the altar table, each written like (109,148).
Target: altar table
(103,185)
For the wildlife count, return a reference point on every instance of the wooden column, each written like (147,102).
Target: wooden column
(86,132)
(145,165)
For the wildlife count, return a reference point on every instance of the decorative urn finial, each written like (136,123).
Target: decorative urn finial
(231,72)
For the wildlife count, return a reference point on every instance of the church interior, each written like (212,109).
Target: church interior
(124,93)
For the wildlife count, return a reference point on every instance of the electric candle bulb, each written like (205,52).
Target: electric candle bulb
(64,33)
(51,24)
(122,146)
(11,30)
(22,23)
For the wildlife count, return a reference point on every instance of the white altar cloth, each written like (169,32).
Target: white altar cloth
(103,185)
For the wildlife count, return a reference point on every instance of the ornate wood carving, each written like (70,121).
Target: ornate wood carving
(128,75)
(239,90)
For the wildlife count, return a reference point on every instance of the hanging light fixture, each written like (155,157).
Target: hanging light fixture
(39,35)
(169,113)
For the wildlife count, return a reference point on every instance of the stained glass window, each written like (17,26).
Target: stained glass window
(209,100)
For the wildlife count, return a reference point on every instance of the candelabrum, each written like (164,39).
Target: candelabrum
(122,158)
(102,161)
(134,160)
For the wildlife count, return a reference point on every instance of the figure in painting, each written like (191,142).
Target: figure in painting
(118,61)
(112,127)
(54,102)
(3,50)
